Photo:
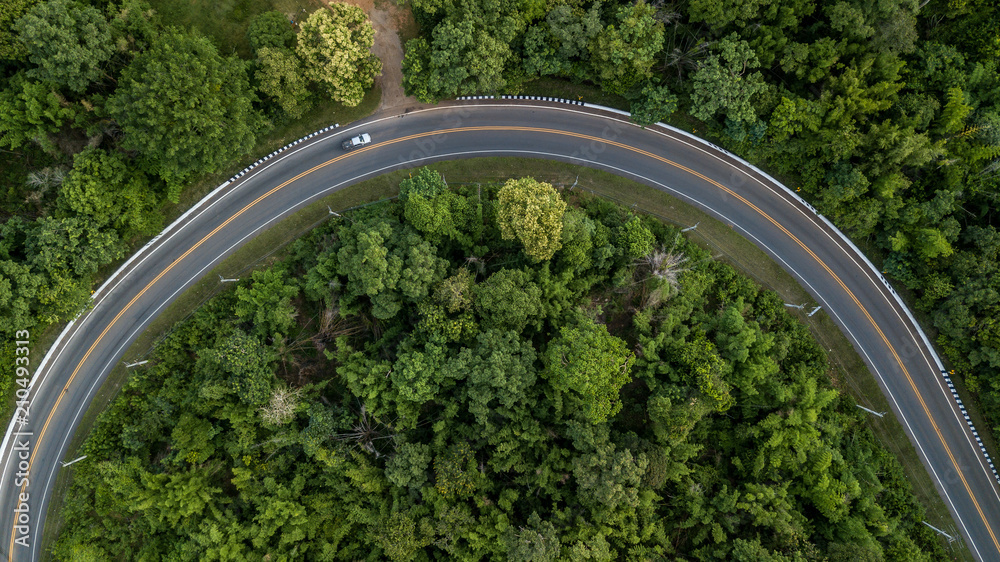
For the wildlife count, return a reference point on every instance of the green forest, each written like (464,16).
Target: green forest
(490,372)
(412,378)
(886,115)
(107,112)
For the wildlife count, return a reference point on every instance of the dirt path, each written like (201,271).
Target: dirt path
(388,19)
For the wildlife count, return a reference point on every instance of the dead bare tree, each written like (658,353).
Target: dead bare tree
(665,265)
(281,408)
(332,325)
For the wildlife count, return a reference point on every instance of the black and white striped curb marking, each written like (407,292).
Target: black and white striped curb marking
(968,420)
(280,150)
(535,98)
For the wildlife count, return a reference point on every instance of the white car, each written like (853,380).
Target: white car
(358,141)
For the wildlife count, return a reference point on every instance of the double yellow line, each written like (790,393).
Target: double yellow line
(666,161)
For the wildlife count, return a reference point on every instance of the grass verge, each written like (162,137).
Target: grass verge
(848,372)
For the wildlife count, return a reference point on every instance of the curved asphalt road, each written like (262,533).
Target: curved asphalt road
(787,230)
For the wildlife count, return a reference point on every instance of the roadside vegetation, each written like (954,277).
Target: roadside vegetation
(490,372)
(885,115)
(108,111)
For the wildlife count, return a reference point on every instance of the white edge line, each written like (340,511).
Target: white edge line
(699,140)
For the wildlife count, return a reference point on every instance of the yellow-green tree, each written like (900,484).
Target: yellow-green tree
(334,45)
(532,212)
(10,11)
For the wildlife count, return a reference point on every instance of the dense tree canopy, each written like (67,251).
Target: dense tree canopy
(105,112)
(11,49)
(655,104)
(280,76)
(32,112)
(67,41)
(184,107)
(885,115)
(624,52)
(484,420)
(724,82)
(592,363)
(101,185)
(270,30)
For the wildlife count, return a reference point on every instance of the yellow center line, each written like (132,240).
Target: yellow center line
(299,176)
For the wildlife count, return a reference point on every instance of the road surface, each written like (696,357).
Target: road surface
(807,247)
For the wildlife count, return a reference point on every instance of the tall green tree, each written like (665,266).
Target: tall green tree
(537,542)
(422,270)
(173,498)
(408,467)
(508,299)
(267,303)
(438,213)
(272,30)
(623,53)
(371,269)
(593,364)
(500,374)
(635,238)
(719,14)
(68,42)
(243,363)
(11,49)
(654,104)
(280,76)
(103,186)
(418,374)
(723,82)
(32,111)
(560,43)
(69,251)
(608,479)
(401,539)
(462,58)
(184,108)
(19,287)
